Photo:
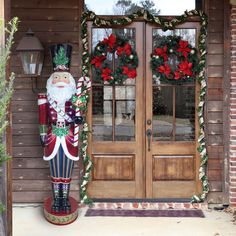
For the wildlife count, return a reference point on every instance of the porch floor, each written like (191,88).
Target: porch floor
(29,221)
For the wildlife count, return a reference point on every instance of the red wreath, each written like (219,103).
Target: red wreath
(127,60)
(187,66)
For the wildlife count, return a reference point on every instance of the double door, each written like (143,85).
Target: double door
(144,133)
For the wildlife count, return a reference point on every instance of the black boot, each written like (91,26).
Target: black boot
(66,207)
(56,197)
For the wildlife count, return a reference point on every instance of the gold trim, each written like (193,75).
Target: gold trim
(60,219)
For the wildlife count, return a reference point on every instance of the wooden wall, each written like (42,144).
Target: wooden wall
(214,104)
(58,21)
(53,22)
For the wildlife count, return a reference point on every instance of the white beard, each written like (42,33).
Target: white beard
(61,95)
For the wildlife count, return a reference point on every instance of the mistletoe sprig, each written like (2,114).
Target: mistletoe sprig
(127,60)
(164,24)
(174,61)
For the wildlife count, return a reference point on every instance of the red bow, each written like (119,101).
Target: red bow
(186,68)
(111,40)
(97,61)
(106,74)
(177,75)
(165,69)
(183,48)
(130,73)
(126,49)
(162,52)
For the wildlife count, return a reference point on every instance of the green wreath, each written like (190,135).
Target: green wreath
(127,60)
(174,60)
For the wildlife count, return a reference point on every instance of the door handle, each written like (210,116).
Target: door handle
(149,135)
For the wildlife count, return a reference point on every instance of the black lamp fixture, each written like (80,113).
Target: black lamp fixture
(31,54)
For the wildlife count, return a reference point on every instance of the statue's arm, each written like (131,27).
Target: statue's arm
(43,117)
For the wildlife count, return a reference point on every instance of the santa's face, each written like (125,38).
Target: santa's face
(60,77)
(61,86)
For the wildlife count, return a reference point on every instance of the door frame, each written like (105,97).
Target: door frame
(165,23)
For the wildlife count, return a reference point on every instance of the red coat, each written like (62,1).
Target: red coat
(47,118)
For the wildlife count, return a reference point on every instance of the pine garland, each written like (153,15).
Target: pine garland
(165,25)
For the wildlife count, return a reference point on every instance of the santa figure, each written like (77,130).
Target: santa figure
(57,121)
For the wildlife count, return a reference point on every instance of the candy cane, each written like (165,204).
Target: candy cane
(86,81)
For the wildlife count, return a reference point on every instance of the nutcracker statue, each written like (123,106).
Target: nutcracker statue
(58,119)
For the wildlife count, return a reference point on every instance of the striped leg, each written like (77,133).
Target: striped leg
(61,170)
(56,184)
(56,197)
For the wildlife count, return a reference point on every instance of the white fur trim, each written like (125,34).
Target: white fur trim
(61,141)
(57,145)
(42,101)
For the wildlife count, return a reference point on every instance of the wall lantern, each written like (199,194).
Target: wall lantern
(31,54)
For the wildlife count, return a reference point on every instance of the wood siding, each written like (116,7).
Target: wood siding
(45,18)
(31,182)
(214,101)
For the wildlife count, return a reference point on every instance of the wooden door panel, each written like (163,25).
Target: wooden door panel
(113,167)
(112,189)
(173,148)
(173,168)
(173,189)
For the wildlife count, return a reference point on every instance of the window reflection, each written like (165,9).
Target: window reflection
(185,113)
(102,113)
(162,113)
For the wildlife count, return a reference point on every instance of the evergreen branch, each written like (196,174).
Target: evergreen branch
(6,87)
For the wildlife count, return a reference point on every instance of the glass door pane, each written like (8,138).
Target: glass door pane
(173,105)
(114,106)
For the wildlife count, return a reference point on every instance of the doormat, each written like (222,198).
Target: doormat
(146,213)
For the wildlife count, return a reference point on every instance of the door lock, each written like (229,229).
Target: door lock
(149,122)
(149,135)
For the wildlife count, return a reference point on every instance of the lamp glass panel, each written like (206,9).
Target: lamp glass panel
(40,66)
(30,61)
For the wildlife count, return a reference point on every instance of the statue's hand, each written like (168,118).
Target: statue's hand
(78,120)
(42,140)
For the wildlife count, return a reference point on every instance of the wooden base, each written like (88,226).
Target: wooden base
(60,218)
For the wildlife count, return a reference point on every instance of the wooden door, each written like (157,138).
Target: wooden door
(116,114)
(144,133)
(172,160)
